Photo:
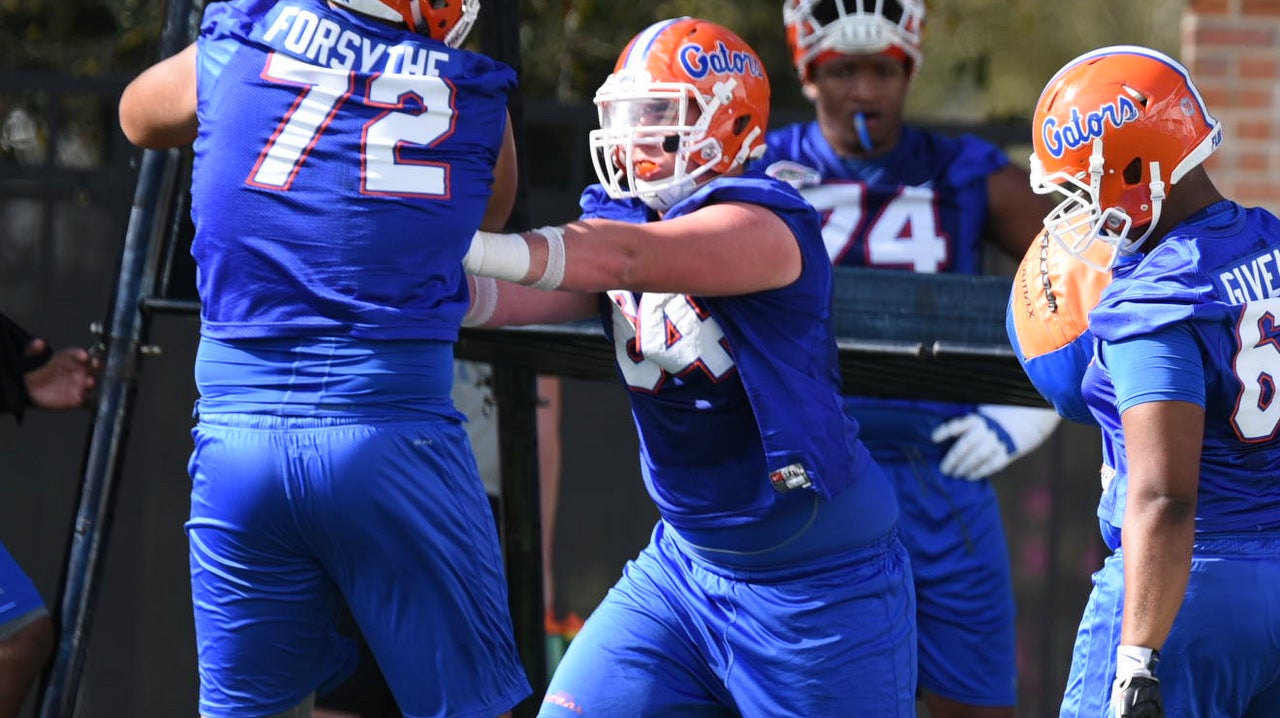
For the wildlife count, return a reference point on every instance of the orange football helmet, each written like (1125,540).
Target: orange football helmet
(448,21)
(688,86)
(1111,130)
(853,27)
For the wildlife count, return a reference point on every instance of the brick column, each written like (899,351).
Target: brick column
(1233,50)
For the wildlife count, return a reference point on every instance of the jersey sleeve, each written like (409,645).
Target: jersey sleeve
(1159,290)
(1162,366)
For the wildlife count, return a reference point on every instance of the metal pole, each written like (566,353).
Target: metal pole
(123,336)
(516,393)
(515,390)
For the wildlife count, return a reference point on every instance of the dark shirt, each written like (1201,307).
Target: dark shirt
(14,363)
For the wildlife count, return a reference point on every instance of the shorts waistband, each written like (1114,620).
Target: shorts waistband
(1261,544)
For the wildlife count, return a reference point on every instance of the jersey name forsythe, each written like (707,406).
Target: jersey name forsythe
(325,43)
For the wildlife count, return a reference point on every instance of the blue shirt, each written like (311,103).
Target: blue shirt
(341,168)
(1216,279)
(725,391)
(921,207)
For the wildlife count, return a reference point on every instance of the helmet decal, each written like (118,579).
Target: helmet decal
(636,53)
(698,62)
(1080,130)
(1146,53)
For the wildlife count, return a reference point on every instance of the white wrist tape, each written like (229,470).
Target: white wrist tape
(483,302)
(1136,661)
(502,256)
(553,275)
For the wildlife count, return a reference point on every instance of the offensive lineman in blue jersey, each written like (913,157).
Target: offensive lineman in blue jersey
(897,197)
(345,153)
(774,584)
(1184,616)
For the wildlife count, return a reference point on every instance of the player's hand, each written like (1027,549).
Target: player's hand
(1136,690)
(66,381)
(1136,697)
(985,441)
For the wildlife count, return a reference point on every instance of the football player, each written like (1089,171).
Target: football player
(329,461)
(898,197)
(1184,616)
(774,583)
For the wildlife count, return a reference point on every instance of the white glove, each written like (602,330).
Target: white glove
(1135,693)
(991,437)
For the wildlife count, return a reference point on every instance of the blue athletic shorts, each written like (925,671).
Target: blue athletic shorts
(954,534)
(288,515)
(1222,657)
(20,602)
(679,637)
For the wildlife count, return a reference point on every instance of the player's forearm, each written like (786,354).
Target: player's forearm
(497,303)
(605,255)
(720,250)
(1158,535)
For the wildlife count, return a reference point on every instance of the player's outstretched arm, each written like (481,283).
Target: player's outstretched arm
(719,250)
(496,303)
(158,108)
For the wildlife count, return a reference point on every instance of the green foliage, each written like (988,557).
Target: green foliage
(82,37)
(593,32)
(987,59)
(984,59)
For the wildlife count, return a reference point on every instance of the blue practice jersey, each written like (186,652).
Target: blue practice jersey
(922,207)
(729,392)
(1218,276)
(341,169)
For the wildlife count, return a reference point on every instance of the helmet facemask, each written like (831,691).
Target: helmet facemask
(458,33)
(673,117)
(854,27)
(1095,234)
